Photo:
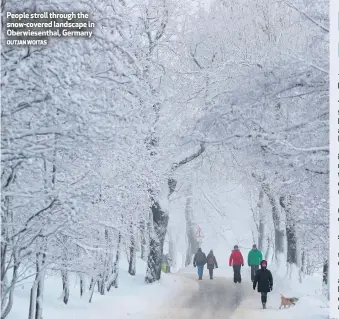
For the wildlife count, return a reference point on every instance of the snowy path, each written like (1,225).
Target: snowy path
(217,298)
(221,298)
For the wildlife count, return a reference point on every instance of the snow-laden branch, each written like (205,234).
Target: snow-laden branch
(189,158)
(34,216)
(324,148)
(307,16)
(35,132)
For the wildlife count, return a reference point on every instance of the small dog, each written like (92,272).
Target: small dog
(287,301)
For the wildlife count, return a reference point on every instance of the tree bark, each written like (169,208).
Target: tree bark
(115,273)
(326,290)
(325,273)
(278,232)
(291,233)
(91,283)
(132,251)
(40,261)
(171,249)
(91,290)
(192,243)
(64,272)
(261,231)
(65,285)
(269,251)
(32,301)
(35,306)
(82,285)
(303,262)
(143,231)
(6,308)
(160,223)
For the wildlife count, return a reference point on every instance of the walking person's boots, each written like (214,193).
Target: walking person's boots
(264,299)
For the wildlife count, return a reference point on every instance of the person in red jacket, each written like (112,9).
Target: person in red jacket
(236,260)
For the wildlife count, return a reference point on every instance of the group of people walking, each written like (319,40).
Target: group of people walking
(261,278)
(200,260)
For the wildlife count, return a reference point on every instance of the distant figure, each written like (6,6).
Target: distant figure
(200,261)
(211,262)
(263,277)
(254,259)
(164,263)
(236,260)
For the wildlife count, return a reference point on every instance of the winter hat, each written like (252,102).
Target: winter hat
(236,247)
(211,251)
(199,249)
(263,263)
(254,246)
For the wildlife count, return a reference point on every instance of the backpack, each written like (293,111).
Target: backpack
(210,260)
(200,258)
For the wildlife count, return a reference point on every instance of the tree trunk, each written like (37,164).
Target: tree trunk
(171,250)
(6,308)
(4,252)
(308,266)
(132,251)
(143,232)
(82,285)
(101,285)
(64,272)
(91,284)
(32,300)
(40,285)
(39,298)
(326,290)
(303,261)
(325,273)
(8,256)
(115,273)
(261,231)
(279,235)
(106,263)
(302,265)
(92,290)
(160,222)
(269,251)
(192,243)
(35,306)
(65,285)
(291,233)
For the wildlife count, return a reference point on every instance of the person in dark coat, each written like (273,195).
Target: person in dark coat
(211,262)
(263,277)
(199,261)
(236,260)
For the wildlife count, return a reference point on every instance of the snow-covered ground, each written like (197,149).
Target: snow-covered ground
(133,298)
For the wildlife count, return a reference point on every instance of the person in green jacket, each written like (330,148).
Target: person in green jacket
(254,259)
